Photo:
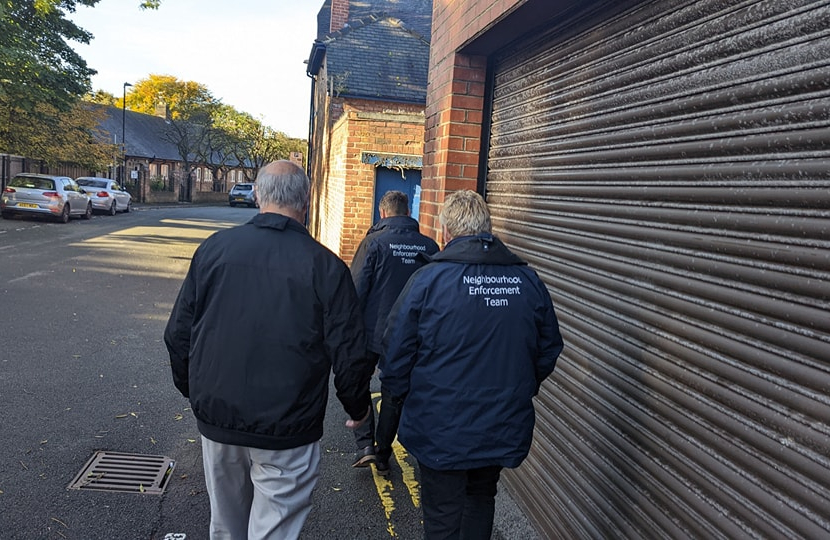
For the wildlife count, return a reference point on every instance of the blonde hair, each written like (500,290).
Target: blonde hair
(465,214)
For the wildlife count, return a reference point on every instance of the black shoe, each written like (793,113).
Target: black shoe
(365,457)
(382,467)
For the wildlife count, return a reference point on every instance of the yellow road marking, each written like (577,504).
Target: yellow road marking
(385,488)
(407,473)
(384,485)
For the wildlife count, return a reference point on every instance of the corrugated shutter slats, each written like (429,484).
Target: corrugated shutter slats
(665,167)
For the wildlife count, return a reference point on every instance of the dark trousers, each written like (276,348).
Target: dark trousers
(459,505)
(364,435)
(388,419)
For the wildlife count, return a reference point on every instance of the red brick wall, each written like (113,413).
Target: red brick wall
(455,102)
(346,201)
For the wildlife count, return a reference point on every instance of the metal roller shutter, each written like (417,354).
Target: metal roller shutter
(665,166)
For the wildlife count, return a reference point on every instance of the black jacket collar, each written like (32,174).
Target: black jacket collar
(280,222)
(481,249)
(394,222)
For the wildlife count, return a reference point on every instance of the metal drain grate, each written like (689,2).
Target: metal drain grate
(128,473)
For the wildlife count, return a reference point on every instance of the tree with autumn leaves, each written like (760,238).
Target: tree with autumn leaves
(208,132)
(45,88)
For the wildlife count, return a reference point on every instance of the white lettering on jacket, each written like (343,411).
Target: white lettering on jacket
(489,287)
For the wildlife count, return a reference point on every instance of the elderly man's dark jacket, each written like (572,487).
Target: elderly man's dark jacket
(382,264)
(263,317)
(468,343)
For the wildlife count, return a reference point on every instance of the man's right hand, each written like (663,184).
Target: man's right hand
(354,424)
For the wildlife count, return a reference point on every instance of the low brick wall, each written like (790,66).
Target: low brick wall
(210,197)
(161,197)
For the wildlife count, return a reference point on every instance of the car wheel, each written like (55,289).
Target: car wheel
(7,215)
(88,213)
(112,209)
(64,217)
(129,207)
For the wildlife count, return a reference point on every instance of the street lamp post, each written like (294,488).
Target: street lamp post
(124,134)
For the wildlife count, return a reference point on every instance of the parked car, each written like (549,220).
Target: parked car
(45,195)
(106,194)
(242,194)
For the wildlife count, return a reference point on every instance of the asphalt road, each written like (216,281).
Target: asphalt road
(83,369)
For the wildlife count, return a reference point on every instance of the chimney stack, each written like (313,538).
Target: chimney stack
(339,14)
(161,110)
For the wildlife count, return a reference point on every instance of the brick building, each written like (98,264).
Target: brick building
(663,166)
(369,73)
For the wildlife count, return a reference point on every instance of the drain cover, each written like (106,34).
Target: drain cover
(129,473)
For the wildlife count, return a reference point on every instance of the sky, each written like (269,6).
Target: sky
(248,53)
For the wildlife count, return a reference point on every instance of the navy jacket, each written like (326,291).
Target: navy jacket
(263,317)
(468,343)
(384,260)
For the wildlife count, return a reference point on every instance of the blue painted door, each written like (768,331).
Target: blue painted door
(406,180)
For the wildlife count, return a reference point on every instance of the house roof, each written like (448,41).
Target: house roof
(324,20)
(144,133)
(381,53)
(416,13)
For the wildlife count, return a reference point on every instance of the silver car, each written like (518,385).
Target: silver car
(45,195)
(106,194)
(242,194)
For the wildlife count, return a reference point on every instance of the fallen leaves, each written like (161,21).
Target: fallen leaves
(65,526)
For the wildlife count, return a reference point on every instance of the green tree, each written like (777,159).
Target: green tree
(255,144)
(102,97)
(42,79)
(37,65)
(59,136)
(219,143)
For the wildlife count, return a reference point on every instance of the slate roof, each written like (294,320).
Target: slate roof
(324,20)
(144,134)
(382,53)
(417,14)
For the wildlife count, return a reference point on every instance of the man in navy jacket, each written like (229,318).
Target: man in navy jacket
(382,264)
(263,318)
(467,346)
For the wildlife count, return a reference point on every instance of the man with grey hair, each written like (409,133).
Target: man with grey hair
(466,347)
(263,317)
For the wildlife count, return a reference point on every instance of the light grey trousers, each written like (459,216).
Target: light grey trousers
(259,494)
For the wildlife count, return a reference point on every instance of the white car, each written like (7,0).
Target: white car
(106,195)
(46,195)
(243,194)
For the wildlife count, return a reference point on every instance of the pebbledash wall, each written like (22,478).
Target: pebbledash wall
(663,167)
(346,200)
